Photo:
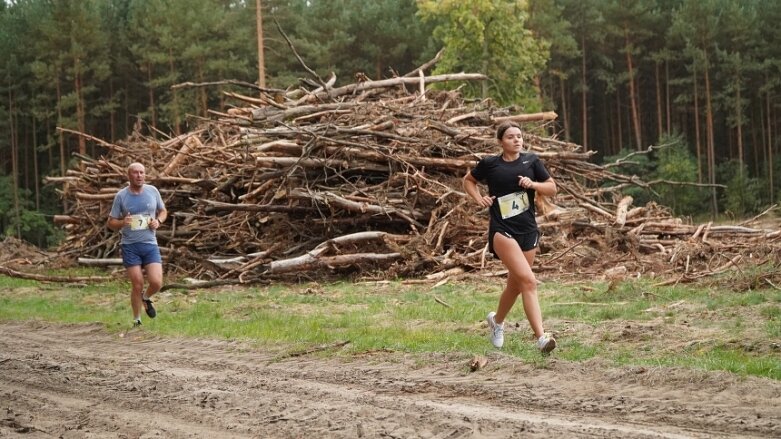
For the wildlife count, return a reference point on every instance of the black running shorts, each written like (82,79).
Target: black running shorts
(527,241)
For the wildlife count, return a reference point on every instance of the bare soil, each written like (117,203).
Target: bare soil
(82,381)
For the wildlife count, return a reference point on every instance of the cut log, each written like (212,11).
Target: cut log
(621,210)
(192,143)
(51,278)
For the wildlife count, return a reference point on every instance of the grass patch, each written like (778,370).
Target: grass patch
(627,323)
(727,359)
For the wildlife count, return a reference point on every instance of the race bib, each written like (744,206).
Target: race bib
(139,222)
(513,204)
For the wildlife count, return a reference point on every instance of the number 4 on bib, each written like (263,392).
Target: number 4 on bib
(513,204)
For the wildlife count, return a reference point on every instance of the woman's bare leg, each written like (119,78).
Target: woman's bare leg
(520,280)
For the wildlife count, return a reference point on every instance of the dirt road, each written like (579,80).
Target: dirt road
(84,382)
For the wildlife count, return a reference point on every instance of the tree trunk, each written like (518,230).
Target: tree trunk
(565,110)
(126,106)
(658,101)
(739,116)
(25,150)
(619,122)
(770,149)
(35,165)
(51,162)
(152,109)
(80,111)
(667,93)
(755,141)
(261,57)
(484,67)
(633,98)
(61,137)
(765,124)
(177,117)
(607,124)
(14,158)
(697,140)
(203,104)
(112,115)
(711,141)
(584,93)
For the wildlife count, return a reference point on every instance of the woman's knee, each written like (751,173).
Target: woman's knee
(526,284)
(529,283)
(522,282)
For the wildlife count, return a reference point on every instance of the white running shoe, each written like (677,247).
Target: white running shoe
(546,343)
(497,330)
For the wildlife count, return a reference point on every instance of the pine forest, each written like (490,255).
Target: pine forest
(676,90)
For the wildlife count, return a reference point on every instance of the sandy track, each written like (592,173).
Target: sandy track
(83,382)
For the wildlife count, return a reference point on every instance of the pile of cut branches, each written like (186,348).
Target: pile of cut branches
(366,178)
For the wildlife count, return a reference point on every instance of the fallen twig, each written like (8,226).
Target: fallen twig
(442,302)
(319,348)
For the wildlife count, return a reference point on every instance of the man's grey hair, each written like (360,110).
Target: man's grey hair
(135,165)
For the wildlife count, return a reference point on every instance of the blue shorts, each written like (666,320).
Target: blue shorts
(140,253)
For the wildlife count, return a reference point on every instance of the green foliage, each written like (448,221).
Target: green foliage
(7,210)
(669,165)
(26,223)
(35,228)
(489,37)
(632,164)
(765,181)
(675,162)
(742,195)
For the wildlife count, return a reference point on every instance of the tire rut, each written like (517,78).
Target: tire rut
(82,381)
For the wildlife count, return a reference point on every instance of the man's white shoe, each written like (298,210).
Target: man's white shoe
(546,343)
(497,330)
